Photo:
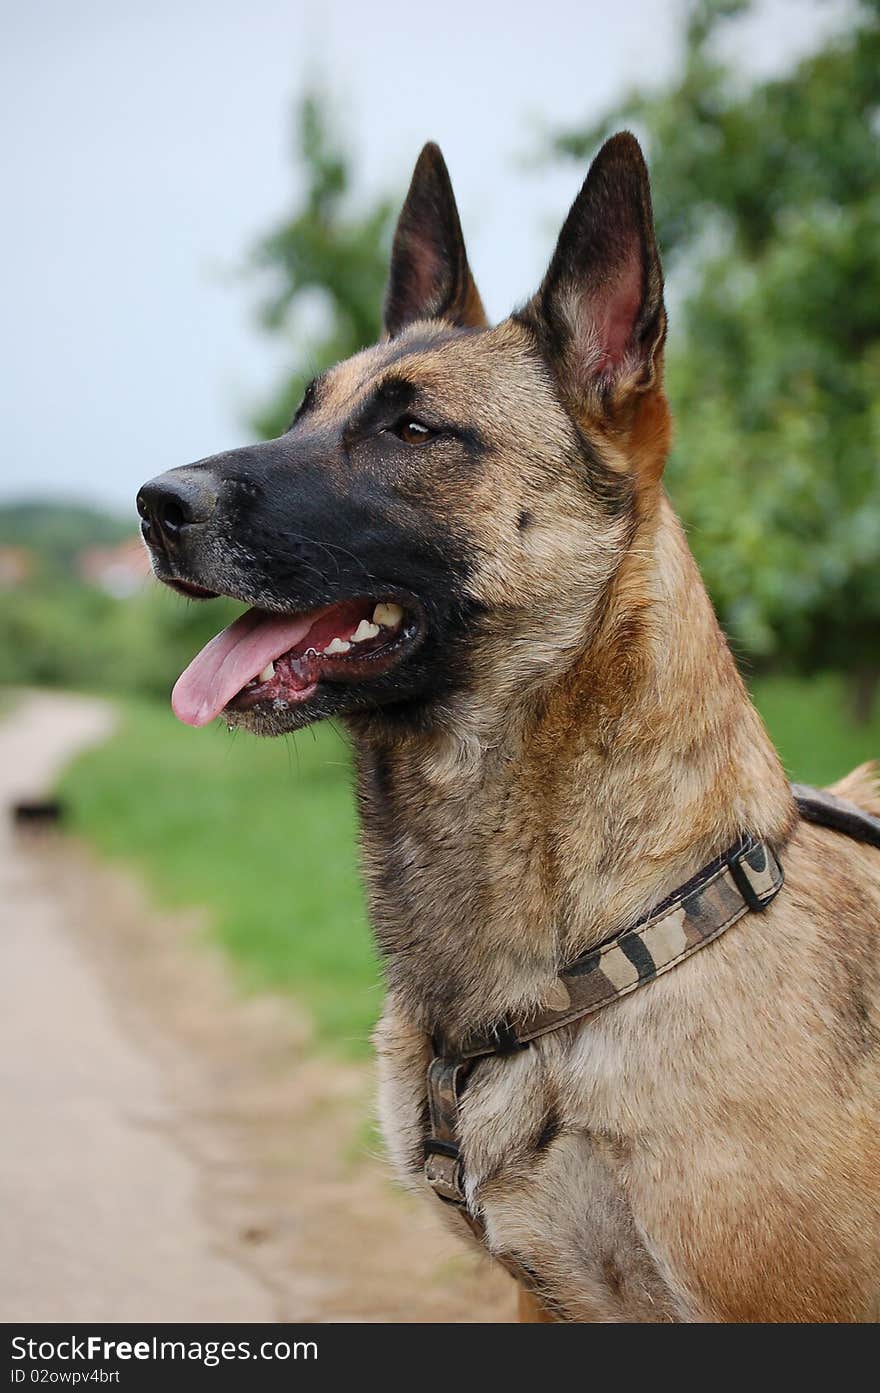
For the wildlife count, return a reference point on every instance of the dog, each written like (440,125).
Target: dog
(462,549)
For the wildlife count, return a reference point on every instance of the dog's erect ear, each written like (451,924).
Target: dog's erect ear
(599,313)
(430,277)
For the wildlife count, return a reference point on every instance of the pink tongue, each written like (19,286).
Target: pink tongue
(230,660)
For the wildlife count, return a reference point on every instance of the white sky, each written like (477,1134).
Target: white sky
(146,147)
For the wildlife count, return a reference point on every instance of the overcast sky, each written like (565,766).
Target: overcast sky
(146,147)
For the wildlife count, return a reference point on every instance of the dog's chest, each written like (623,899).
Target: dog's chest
(552,1191)
(457,907)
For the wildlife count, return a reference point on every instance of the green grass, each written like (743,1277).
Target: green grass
(262,833)
(811,724)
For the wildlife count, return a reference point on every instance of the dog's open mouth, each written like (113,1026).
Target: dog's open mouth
(277,660)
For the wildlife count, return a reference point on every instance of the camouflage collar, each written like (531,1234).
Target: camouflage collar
(743,880)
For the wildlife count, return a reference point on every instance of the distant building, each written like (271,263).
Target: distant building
(119,570)
(16,566)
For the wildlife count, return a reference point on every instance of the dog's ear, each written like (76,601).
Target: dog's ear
(430,277)
(599,313)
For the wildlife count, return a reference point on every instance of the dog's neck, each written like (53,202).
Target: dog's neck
(489,865)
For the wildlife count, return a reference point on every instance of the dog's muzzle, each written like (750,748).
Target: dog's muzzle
(172,503)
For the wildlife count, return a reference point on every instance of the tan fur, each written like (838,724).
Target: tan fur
(712,1149)
(530,1311)
(704,1149)
(555,739)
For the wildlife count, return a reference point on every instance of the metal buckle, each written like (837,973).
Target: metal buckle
(740,869)
(443,1171)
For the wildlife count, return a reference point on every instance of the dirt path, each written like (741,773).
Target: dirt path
(174,1150)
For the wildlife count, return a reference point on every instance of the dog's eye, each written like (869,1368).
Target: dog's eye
(412,432)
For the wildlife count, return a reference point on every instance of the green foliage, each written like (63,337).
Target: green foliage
(265,842)
(810,723)
(325,248)
(70,635)
(55,630)
(767,198)
(56,532)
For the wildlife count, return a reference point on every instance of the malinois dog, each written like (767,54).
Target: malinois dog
(462,548)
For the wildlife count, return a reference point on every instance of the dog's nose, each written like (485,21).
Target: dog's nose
(174,501)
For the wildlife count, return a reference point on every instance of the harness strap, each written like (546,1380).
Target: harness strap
(743,880)
(443,1168)
(827,810)
(442,1161)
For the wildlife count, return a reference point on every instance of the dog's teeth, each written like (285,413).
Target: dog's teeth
(389,616)
(338,645)
(267,674)
(364,631)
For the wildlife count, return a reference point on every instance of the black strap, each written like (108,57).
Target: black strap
(827,810)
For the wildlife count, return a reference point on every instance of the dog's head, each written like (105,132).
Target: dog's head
(445,513)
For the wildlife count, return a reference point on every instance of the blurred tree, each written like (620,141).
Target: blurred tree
(59,630)
(55,533)
(325,250)
(768,201)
